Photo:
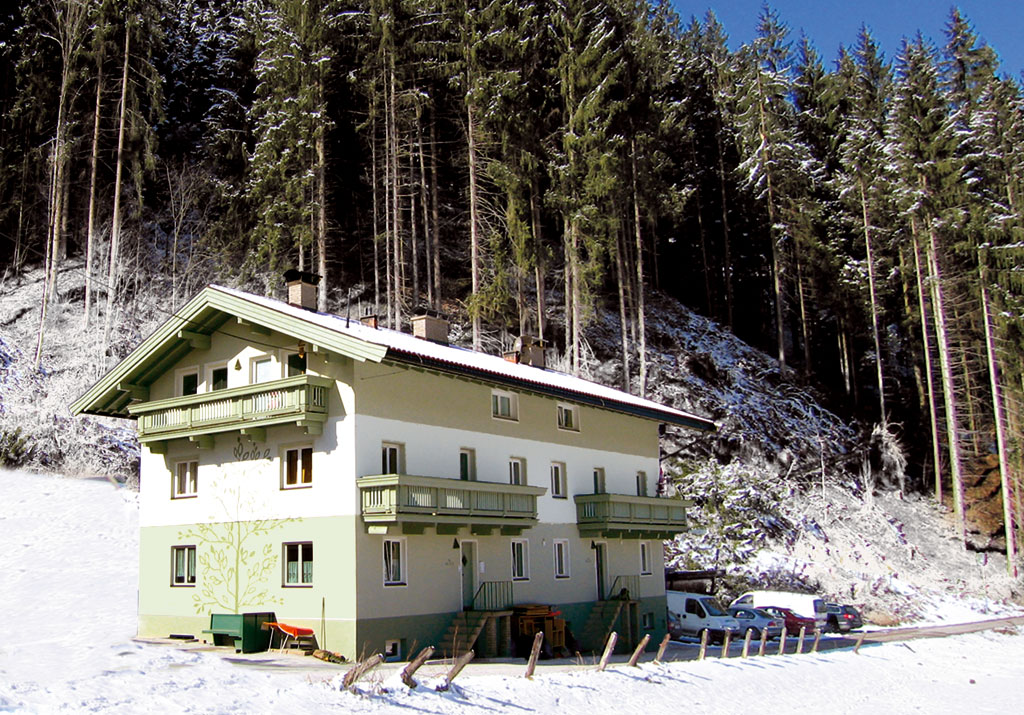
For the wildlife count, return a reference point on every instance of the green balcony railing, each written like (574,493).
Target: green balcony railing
(408,499)
(630,516)
(493,596)
(301,399)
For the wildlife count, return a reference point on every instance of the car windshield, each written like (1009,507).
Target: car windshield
(712,608)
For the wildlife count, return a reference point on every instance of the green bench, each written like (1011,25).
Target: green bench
(242,631)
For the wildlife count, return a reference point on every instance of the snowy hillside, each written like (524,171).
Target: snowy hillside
(69,559)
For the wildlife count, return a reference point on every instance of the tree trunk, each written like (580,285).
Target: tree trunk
(933,415)
(949,395)
(424,205)
(621,280)
(113,270)
(321,212)
(539,266)
(726,241)
(640,307)
(866,222)
(474,235)
(999,417)
(435,213)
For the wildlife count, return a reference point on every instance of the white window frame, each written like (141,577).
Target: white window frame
(399,452)
(641,483)
(600,481)
(191,489)
(517,471)
(179,377)
(470,455)
(390,577)
(566,570)
(558,481)
(520,563)
(298,449)
(255,361)
(209,369)
(188,552)
(647,621)
(300,573)
(496,405)
(568,417)
(645,559)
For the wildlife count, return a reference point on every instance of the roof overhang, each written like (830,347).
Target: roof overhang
(191,327)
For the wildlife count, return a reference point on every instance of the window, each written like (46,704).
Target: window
(391,458)
(467,465)
(188,382)
(185,480)
(296,364)
(298,469)
(598,480)
(298,564)
(517,471)
(183,566)
(641,484)
(504,405)
(645,559)
(263,369)
(520,560)
(568,418)
(647,621)
(217,378)
(558,480)
(561,558)
(394,564)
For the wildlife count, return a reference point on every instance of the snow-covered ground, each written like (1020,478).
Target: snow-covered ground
(68,561)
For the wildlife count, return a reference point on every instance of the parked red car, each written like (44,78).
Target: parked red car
(793,621)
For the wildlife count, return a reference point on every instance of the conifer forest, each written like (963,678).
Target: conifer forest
(536,164)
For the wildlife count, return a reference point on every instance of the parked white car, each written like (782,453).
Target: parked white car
(804,604)
(692,613)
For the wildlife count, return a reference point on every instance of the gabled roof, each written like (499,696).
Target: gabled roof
(215,306)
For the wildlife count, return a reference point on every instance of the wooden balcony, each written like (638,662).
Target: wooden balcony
(403,503)
(300,400)
(631,517)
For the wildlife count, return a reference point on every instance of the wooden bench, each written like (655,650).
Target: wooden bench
(226,629)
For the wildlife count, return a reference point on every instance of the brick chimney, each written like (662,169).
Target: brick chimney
(527,350)
(302,288)
(430,325)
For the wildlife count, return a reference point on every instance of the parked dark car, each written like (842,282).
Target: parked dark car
(792,620)
(842,618)
(757,621)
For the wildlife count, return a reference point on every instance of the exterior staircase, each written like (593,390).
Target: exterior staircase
(600,623)
(462,634)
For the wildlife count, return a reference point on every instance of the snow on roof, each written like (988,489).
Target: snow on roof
(403,346)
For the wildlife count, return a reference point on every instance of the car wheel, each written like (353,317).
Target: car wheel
(832,626)
(754,633)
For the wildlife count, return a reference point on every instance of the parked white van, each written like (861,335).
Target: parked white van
(691,613)
(803,604)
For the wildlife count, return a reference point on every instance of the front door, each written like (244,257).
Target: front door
(600,567)
(468,570)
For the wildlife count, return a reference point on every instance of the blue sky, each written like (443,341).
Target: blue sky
(830,24)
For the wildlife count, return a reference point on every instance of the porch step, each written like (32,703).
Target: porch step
(462,634)
(600,624)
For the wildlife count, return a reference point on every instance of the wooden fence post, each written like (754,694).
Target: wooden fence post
(726,639)
(703,644)
(859,641)
(538,639)
(608,650)
(639,649)
(454,671)
(662,647)
(410,670)
(817,637)
(764,642)
(800,640)
(360,669)
(782,641)
(746,643)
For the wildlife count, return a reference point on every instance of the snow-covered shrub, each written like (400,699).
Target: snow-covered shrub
(736,511)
